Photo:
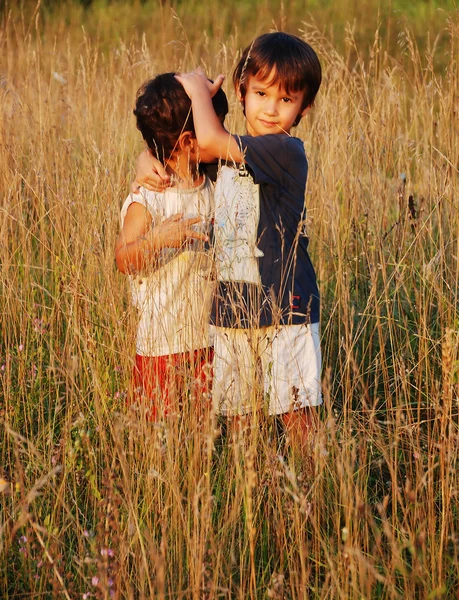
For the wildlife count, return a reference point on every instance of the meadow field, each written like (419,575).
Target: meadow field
(95,502)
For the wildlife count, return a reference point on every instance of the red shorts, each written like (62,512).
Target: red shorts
(162,382)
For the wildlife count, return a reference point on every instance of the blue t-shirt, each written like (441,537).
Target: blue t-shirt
(264,273)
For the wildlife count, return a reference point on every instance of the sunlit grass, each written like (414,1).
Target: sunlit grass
(93,498)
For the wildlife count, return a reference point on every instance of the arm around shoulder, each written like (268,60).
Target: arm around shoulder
(212,137)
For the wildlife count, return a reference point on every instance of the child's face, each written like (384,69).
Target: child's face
(269,109)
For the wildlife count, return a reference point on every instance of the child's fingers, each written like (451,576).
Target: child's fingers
(156,187)
(160,170)
(176,231)
(216,85)
(195,80)
(192,233)
(197,235)
(154,184)
(151,171)
(180,77)
(173,218)
(191,221)
(186,231)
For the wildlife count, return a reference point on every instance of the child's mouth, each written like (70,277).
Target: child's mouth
(268,124)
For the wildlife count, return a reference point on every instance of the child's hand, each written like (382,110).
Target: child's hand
(150,173)
(174,232)
(197,81)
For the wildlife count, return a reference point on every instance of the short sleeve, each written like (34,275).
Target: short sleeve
(275,159)
(146,199)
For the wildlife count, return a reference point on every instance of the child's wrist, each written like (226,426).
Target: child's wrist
(154,244)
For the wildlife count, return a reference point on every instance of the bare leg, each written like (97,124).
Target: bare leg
(301,426)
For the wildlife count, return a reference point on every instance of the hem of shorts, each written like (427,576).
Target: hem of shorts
(212,324)
(319,402)
(207,346)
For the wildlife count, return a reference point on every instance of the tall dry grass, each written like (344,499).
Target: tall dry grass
(97,503)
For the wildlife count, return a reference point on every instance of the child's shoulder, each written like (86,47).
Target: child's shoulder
(281,145)
(142,196)
(145,198)
(273,139)
(272,156)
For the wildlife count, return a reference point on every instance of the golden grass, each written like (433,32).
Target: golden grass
(95,499)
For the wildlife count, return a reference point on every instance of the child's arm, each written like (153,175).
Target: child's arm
(211,135)
(138,245)
(149,173)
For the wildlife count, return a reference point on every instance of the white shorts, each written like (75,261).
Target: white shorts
(274,369)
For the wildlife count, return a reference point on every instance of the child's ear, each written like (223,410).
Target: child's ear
(301,115)
(240,97)
(186,141)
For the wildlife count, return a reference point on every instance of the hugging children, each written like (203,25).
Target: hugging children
(265,311)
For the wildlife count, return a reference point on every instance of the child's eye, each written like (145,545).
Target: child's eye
(286,99)
(260,93)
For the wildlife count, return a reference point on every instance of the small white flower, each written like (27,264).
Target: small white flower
(58,77)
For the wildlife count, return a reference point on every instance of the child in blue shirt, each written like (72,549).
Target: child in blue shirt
(266,307)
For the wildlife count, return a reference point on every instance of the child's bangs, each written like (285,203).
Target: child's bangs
(278,73)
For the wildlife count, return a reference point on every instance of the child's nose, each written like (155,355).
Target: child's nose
(270,107)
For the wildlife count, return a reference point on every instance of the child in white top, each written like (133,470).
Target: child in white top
(162,248)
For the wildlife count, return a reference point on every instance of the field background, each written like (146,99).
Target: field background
(94,502)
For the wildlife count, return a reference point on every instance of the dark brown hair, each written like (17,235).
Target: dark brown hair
(163,112)
(286,59)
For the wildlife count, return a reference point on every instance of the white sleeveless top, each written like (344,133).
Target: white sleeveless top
(174,299)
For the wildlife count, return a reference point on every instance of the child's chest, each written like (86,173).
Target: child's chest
(186,202)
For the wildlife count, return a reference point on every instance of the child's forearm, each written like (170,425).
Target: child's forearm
(136,256)
(143,252)
(210,133)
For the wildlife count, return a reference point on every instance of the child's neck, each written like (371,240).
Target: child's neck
(251,132)
(184,173)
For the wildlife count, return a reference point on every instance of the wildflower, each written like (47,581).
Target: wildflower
(86,533)
(22,543)
(59,78)
(21,347)
(5,487)
(40,326)
(95,581)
